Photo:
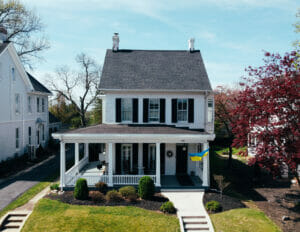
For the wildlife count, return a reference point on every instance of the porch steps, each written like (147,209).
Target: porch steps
(194,223)
(13,221)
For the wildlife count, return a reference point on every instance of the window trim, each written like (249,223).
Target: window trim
(178,110)
(17,104)
(122,109)
(130,156)
(151,145)
(37,104)
(157,111)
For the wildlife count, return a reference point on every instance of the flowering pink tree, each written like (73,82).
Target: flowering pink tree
(269,110)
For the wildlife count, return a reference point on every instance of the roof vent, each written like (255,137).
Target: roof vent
(116,41)
(191,44)
(3,34)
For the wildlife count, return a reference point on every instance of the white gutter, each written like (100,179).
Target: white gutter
(134,138)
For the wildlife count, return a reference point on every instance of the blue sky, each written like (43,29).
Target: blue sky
(231,34)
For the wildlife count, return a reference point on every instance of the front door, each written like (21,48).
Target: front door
(181,159)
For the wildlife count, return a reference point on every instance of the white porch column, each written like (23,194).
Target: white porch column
(62,164)
(110,165)
(206,174)
(86,150)
(157,165)
(140,159)
(77,155)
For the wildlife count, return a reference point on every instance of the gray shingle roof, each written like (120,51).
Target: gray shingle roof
(154,70)
(37,85)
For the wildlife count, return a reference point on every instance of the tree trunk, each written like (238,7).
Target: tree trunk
(229,157)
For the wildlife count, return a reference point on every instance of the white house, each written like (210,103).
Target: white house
(158,106)
(23,104)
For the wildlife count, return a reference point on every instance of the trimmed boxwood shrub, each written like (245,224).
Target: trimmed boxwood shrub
(168,207)
(97,196)
(146,187)
(127,191)
(81,191)
(102,187)
(54,186)
(114,196)
(213,206)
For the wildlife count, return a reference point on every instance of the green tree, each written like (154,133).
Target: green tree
(96,114)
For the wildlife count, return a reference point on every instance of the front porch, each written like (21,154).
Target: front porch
(130,156)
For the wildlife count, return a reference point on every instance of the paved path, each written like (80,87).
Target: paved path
(190,210)
(12,188)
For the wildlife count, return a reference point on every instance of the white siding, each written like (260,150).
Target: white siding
(9,120)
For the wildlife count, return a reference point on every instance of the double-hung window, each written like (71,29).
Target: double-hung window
(209,110)
(154,110)
(17,138)
(29,104)
(43,132)
(43,105)
(182,110)
(37,104)
(17,103)
(29,135)
(126,110)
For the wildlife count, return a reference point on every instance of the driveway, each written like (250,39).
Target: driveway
(14,187)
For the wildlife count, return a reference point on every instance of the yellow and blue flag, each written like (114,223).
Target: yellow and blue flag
(198,156)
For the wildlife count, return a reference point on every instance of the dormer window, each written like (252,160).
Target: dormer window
(182,110)
(126,110)
(154,110)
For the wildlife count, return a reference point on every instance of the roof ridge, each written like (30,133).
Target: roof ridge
(154,50)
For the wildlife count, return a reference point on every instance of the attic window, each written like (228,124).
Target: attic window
(13,75)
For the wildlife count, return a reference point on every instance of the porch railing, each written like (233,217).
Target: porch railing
(117,179)
(72,174)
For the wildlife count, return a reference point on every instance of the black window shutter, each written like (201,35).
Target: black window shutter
(118,109)
(162,105)
(145,109)
(135,111)
(191,110)
(162,158)
(118,158)
(145,156)
(174,110)
(135,151)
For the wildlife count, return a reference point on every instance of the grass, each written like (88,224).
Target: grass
(29,194)
(51,216)
(235,152)
(243,220)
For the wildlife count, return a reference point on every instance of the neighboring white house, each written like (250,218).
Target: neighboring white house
(158,106)
(23,104)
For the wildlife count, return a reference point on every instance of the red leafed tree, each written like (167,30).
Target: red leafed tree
(225,102)
(269,111)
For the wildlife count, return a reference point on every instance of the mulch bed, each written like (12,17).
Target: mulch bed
(226,202)
(153,204)
(280,201)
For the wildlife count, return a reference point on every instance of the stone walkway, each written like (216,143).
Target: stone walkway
(14,220)
(190,210)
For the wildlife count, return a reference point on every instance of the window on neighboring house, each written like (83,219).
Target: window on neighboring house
(29,104)
(38,136)
(126,164)
(37,104)
(29,135)
(13,75)
(126,110)
(43,132)
(17,138)
(17,103)
(43,105)
(182,110)
(154,110)
(210,110)
(152,157)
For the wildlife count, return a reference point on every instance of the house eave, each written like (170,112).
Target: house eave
(134,138)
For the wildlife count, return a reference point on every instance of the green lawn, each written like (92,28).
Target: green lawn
(235,152)
(243,220)
(50,215)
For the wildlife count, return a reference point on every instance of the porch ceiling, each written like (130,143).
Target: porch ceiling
(116,133)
